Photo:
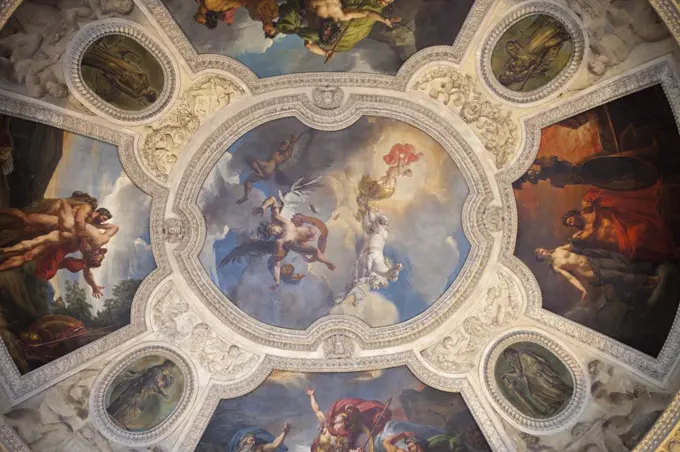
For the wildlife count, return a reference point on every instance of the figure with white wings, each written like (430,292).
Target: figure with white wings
(286,231)
(372,265)
(265,169)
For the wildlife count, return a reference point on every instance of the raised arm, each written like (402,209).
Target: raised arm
(89,279)
(315,406)
(278,442)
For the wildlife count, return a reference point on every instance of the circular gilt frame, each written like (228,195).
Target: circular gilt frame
(102,420)
(561,420)
(571,24)
(73,75)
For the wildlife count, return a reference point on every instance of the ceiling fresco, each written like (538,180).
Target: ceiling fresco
(303,223)
(73,251)
(339,225)
(276,38)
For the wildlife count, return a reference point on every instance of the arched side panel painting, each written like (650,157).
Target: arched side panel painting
(74,241)
(599,220)
(298,36)
(365,221)
(377,411)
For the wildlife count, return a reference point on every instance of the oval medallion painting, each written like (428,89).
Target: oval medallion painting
(122,72)
(364,221)
(145,394)
(534,380)
(531,53)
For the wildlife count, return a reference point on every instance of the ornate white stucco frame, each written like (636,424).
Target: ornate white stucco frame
(659,71)
(579,374)
(110,429)
(555,10)
(300,106)
(73,73)
(18,387)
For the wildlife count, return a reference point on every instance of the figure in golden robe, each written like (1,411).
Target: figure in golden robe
(117,73)
(532,55)
(399,159)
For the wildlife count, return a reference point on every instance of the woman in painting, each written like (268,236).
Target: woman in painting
(539,389)
(533,57)
(140,395)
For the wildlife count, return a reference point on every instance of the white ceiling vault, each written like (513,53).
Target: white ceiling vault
(221,345)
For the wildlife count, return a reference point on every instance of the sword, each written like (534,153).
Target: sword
(375,425)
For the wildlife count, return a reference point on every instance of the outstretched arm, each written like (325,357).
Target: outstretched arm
(315,49)
(279,439)
(89,279)
(349,14)
(315,406)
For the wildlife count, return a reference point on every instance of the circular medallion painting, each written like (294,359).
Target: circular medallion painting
(533,380)
(531,53)
(145,394)
(364,221)
(122,72)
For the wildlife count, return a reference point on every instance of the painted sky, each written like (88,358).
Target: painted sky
(92,166)
(425,234)
(282,397)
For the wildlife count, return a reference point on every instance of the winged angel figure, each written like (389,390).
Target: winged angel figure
(286,231)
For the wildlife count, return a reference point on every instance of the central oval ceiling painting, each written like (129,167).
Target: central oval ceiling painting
(364,221)
(277,38)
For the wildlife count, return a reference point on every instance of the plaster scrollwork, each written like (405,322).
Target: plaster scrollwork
(493,218)
(328,97)
(164,140)
(656,72)
(338,346)
(73,73)
(173,230)
(459,350)
(17,385)
(566,18)
(103,422)
(180,325)
(494,125)
(563,419)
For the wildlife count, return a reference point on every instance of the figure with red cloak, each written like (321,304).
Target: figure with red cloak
(628,222)
(345,421)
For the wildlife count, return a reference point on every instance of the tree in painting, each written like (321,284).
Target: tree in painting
(598,224)
(376,411)
(69,268)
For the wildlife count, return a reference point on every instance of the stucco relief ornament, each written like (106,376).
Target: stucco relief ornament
(328,97)
(174,319)
(493,218)
(165,140)
(518,357)
(457,352)
(338,346)
(173,230)
(494,125)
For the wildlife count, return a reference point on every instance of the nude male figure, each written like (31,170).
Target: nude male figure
(332,9)
(92,236)
(265,169)
(580,270)
(289,237)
